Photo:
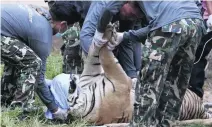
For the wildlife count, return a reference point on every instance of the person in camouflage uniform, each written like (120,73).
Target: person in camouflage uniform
(21,69)
(26,42)
(175,30)
(71,51)
(168,58)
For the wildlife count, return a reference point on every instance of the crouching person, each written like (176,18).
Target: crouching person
(26,40)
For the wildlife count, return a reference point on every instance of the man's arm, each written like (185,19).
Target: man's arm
(89,26)
(109,11)
(42,49)
(136,35)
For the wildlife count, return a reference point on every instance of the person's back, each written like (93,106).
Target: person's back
(25,23)
(160,13)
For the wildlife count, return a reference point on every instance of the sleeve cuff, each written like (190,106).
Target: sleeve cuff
(52,106)
(126,36)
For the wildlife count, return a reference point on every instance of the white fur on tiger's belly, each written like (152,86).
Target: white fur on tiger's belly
(192,107)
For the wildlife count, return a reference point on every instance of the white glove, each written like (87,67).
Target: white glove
(209,22)
(98,39)
(60,114)
(116,41)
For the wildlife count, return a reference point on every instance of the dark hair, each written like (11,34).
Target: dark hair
(64,11)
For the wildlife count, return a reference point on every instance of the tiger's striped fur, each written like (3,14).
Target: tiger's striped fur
(192,107)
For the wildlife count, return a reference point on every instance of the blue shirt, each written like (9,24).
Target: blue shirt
(27,25)
(24,23)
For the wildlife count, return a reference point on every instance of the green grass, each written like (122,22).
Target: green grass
(9,118)
(54,66)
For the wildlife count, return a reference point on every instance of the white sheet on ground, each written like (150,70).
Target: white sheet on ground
(59,88)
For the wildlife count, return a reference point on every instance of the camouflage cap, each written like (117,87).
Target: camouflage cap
(71,34)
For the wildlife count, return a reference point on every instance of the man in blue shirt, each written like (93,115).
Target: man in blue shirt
(176,28)
(26,41)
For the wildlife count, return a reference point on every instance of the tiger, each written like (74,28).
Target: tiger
(193,108)
(104,92)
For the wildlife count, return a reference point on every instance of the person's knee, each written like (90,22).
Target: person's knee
(37,63)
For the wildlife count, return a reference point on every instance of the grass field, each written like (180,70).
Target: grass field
(9,118)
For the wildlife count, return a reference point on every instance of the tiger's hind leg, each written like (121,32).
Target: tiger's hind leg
(112,69)
(117,101)
(193,108)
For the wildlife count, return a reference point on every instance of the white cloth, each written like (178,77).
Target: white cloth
(59,87)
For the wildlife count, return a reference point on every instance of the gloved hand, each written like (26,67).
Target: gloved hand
(98,39)
(209,22)
(118,38)
(60,114)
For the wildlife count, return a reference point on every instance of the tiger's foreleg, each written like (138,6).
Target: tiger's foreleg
(92,64)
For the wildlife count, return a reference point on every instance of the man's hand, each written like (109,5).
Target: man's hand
(209,22)
(60,114)
(98,39)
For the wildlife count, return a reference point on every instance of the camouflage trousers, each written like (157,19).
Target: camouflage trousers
(168,57)
(21,69)
(72,58)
